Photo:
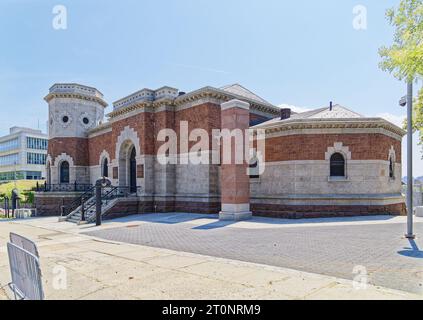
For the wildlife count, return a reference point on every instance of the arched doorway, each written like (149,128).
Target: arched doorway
(128,166)
(105,168)
(133,171)
(64,172)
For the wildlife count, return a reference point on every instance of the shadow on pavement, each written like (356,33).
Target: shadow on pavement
(163,218)
(214,225)
(413,252)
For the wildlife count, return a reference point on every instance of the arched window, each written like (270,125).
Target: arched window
(391,168)
(337,165)
(64,172)
(105,169)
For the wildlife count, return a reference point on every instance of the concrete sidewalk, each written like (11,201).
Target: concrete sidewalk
(77,266)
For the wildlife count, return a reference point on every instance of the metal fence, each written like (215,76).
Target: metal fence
(26,273)
(19,206)
(63,187)
(24,243)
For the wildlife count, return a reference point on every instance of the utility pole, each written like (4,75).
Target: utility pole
(410,234)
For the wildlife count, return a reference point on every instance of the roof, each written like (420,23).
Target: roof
(338,117)
(242,91)
(337,112)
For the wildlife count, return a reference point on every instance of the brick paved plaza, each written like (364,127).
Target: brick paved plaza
(96,268)
(331,247)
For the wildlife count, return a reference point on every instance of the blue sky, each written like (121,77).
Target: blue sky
(303,53)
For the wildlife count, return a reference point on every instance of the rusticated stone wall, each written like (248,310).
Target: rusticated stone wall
(317,211)
(49,204)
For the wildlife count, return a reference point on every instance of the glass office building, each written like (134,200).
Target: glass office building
(23,154)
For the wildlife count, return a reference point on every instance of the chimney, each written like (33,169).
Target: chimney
(331,106)
(285,113)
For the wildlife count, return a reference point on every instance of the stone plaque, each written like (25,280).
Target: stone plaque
(140,171)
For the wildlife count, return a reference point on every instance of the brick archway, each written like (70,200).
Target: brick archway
(128,134)
(125,160)
(127,142)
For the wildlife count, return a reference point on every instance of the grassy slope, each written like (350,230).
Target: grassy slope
(21,185)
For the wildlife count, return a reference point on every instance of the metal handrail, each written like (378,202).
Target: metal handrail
(114,193)
(77,202)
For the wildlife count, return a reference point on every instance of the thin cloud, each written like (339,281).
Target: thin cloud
(295,109)
(397,120)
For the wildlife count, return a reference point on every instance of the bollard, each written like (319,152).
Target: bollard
(6,207)
(82,210)
(98,204)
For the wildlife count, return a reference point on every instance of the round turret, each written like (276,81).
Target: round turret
(73,111)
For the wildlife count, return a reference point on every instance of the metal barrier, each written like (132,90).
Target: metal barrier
(25,269)
(24,243)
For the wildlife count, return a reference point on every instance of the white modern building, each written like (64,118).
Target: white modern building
(23,154)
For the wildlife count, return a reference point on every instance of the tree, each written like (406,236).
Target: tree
(404,59)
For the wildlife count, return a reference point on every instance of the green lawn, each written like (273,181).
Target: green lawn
(21,185)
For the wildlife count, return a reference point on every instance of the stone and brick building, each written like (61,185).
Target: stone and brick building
(326,162)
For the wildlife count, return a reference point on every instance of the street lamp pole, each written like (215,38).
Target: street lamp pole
(14,173)
(410,181)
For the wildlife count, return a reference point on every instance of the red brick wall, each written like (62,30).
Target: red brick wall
(97,145)
(148,125)
(162,120)
(363,146)
(205,116)
(77,148)
(143,124)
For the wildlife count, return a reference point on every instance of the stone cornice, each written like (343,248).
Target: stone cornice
(146,95)
(130,108)
(206,92)
(226,96)
(77,91)
(53,95)
(356,123)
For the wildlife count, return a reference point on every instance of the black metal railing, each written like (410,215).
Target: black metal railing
(63,187)
(80,201)
(108,194)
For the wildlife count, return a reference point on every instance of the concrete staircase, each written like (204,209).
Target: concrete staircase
(109,198)
(90,209)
